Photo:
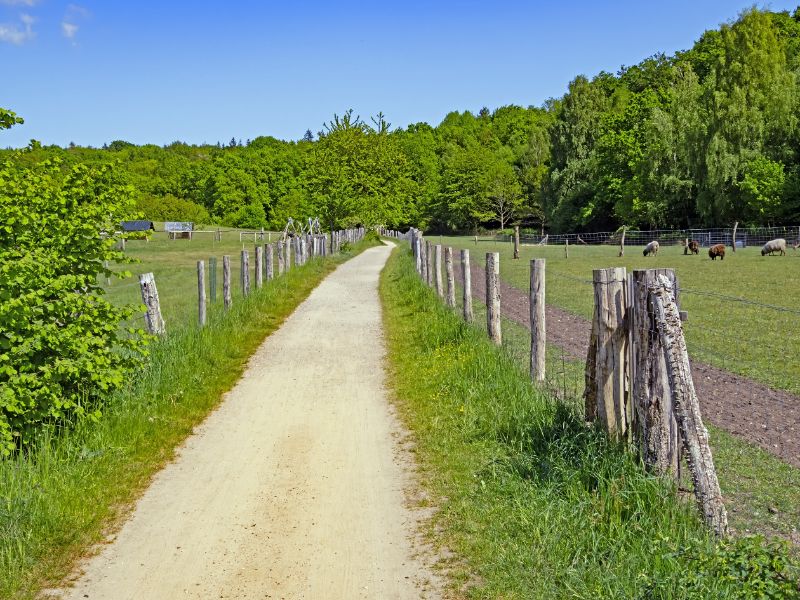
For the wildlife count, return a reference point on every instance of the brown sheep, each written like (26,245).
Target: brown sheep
(694,247)
(717,250)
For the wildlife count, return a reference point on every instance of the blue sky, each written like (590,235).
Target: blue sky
(154,72)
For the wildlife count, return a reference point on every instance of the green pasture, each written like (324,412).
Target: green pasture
(755,341)
(174,264)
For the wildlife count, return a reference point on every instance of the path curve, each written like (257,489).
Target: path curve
(294,486)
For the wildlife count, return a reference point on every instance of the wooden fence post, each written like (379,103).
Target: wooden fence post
(430,253)
(608,385)
(268,262)
(538,328)
(733,236)
(244,273)
(687,408)
(281,260)
(201,293)
(493,297)
(259,267)
(152,316)
(423,258)
(418,251)
(655,421)
(212,279)
(451,280)
(226,281)
(287,255)
(566,248)
(622,242)
(438,267)
(516,242)
(466,276)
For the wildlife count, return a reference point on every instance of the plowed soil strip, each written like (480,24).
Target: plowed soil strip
(294,487)
(750,410)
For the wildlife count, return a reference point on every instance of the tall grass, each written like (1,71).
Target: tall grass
(536,504)
(71,490)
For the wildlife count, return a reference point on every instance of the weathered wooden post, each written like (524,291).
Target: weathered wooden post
(259,267)
(493,297)
(607,387)
(268,262)
(654,419)
(226,281)
(516,242)
(287,255)
(466,277)
(201,293)
(244,273)
(281,259)
(687,408)
(423,259)
(430,252)
(733,236)
(438,268)
(212,279)
(451,280)
(538,326)
(418,251)
(566,247)
(152,316)
(622,242)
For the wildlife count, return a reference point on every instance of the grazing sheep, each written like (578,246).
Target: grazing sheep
(717,250)
(694,247)
(651,248)
(777,245)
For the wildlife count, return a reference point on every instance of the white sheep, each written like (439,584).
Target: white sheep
(774,246)
(651,248)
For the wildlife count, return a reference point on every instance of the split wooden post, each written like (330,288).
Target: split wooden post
(152,316)
(538,329)
(451,280)
(733,236)
(244,273)
(281,260)
(226,281)
(466,277)
(201,293)
(259,267)
(268,263)
(287,255)
(516,242)
(493,297)
(687,409)
(608,386)
(212,279)
(655,422)
(423,257)
(622,243)
(418,251)
(438,269)
(430,252)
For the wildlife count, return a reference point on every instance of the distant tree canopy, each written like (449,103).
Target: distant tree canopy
(700,138)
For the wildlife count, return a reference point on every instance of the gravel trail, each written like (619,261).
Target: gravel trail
(295,487)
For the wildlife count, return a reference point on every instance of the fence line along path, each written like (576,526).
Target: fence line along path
(293,487)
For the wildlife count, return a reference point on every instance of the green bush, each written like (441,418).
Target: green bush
(61,345)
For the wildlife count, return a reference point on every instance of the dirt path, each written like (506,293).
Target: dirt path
(294,487)
(750,410)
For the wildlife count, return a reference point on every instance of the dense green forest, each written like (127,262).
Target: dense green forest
(700,138)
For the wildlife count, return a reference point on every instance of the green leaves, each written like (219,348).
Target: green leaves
(61,346)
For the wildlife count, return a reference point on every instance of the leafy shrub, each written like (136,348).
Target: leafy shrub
(61,345)
(170,208)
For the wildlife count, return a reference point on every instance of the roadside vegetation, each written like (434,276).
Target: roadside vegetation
(532,503)
(69,490)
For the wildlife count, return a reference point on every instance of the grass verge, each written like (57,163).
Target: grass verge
(69,492)
(535,504)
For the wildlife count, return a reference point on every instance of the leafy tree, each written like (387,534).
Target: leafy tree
(62,349)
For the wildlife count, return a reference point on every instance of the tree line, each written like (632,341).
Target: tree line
(699,138)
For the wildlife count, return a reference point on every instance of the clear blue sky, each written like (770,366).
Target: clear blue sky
(92,72)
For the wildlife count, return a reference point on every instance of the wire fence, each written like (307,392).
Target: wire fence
(749,236)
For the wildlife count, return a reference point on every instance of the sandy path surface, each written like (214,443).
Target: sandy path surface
(294,487)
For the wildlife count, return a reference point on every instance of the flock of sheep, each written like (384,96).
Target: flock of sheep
(718,250)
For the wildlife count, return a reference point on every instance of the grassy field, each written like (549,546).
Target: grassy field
(68,493)
(754,341)
(532,503)
(174,264)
